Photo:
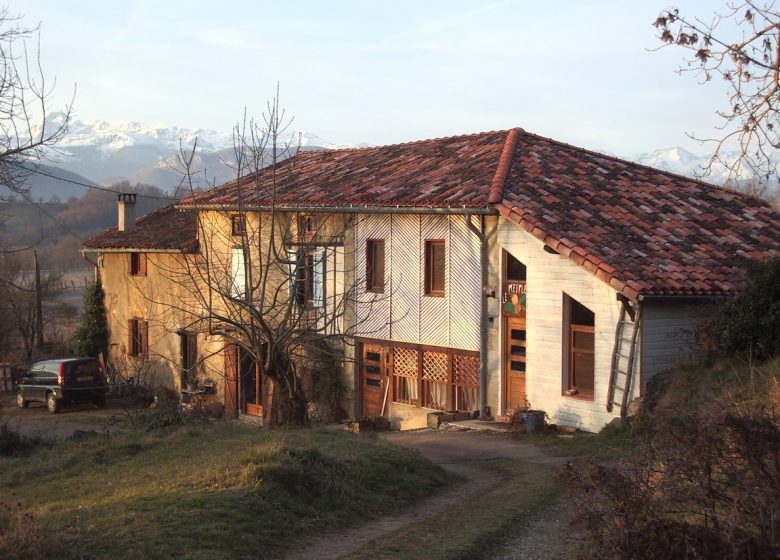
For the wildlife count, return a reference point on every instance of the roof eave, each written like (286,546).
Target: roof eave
(178,250)
(352,209)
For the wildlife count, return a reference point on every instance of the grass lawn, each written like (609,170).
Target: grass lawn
(221,492)
(609,444)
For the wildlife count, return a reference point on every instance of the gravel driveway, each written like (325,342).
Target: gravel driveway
(37,421)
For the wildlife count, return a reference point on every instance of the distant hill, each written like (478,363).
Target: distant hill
(209,169)
(46,181)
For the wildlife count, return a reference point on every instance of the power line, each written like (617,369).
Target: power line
(96,187)
(55,220)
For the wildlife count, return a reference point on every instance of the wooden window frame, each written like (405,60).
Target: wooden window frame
(572,351)
(375,266)
(138,338)
(307,227)
(237,225)
(303,277)
(507,257)
(137,265)
(430,269)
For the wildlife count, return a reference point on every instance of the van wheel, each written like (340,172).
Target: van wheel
(52,403)
(21,401)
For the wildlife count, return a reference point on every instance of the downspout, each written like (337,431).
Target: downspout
(483,316)
(93,263)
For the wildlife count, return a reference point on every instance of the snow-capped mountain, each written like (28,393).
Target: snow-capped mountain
(681,161)
(105,152)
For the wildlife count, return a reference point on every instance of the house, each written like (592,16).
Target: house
(472,273)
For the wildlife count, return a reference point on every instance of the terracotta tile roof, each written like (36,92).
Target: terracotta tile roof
(165,229)
(641,230)
(443,172)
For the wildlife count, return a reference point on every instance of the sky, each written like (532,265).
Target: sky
(582,72)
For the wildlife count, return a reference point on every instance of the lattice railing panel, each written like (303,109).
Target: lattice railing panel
(434,366)
(405,361)
(465,370)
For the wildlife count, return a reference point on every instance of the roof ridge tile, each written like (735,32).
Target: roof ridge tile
(496,193)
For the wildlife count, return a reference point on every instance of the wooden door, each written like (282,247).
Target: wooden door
(514,362)
(189,358)
(251,386)
(374,368)
(231,381)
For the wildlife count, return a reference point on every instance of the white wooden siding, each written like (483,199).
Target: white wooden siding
(403,312)
(434,311)
(548,278)
(373,310)
(402,273)
(465,284)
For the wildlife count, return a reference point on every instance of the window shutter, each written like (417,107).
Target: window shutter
(238,273)
(292,259)
(318,283)
(142,264)
(131,337)
(143,335)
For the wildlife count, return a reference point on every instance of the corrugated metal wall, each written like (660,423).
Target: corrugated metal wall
(403,313)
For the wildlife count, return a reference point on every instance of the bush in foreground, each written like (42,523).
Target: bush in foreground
(705,481)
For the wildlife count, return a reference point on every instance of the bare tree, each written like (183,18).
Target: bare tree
(742,46)
(25,94)
(18,304)
(269,278)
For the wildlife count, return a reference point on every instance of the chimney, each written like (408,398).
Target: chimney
(126,212)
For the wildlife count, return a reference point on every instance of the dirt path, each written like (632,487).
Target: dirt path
(458,452)
(339,543)
(548,537)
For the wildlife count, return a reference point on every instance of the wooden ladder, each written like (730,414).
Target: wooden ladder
(623,353)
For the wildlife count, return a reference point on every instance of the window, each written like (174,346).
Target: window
(375,266)
(238,273)
(514,270)
(434,377)
(307,227)
(138,343)
(434,267)
(137,264)
(307,277)
(237,225)
(581,352)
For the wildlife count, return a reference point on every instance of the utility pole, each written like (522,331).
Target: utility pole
(38,305)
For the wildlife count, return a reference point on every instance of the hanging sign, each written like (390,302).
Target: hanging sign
(513,298)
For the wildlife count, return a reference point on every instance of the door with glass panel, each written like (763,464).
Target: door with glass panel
(373,365)
(514,362)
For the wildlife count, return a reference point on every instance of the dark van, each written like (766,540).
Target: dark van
(58,382)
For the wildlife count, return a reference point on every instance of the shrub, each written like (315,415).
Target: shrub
(91,336)
(705,481)
(749,324)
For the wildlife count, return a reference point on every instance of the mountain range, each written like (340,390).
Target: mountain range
(104,153)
